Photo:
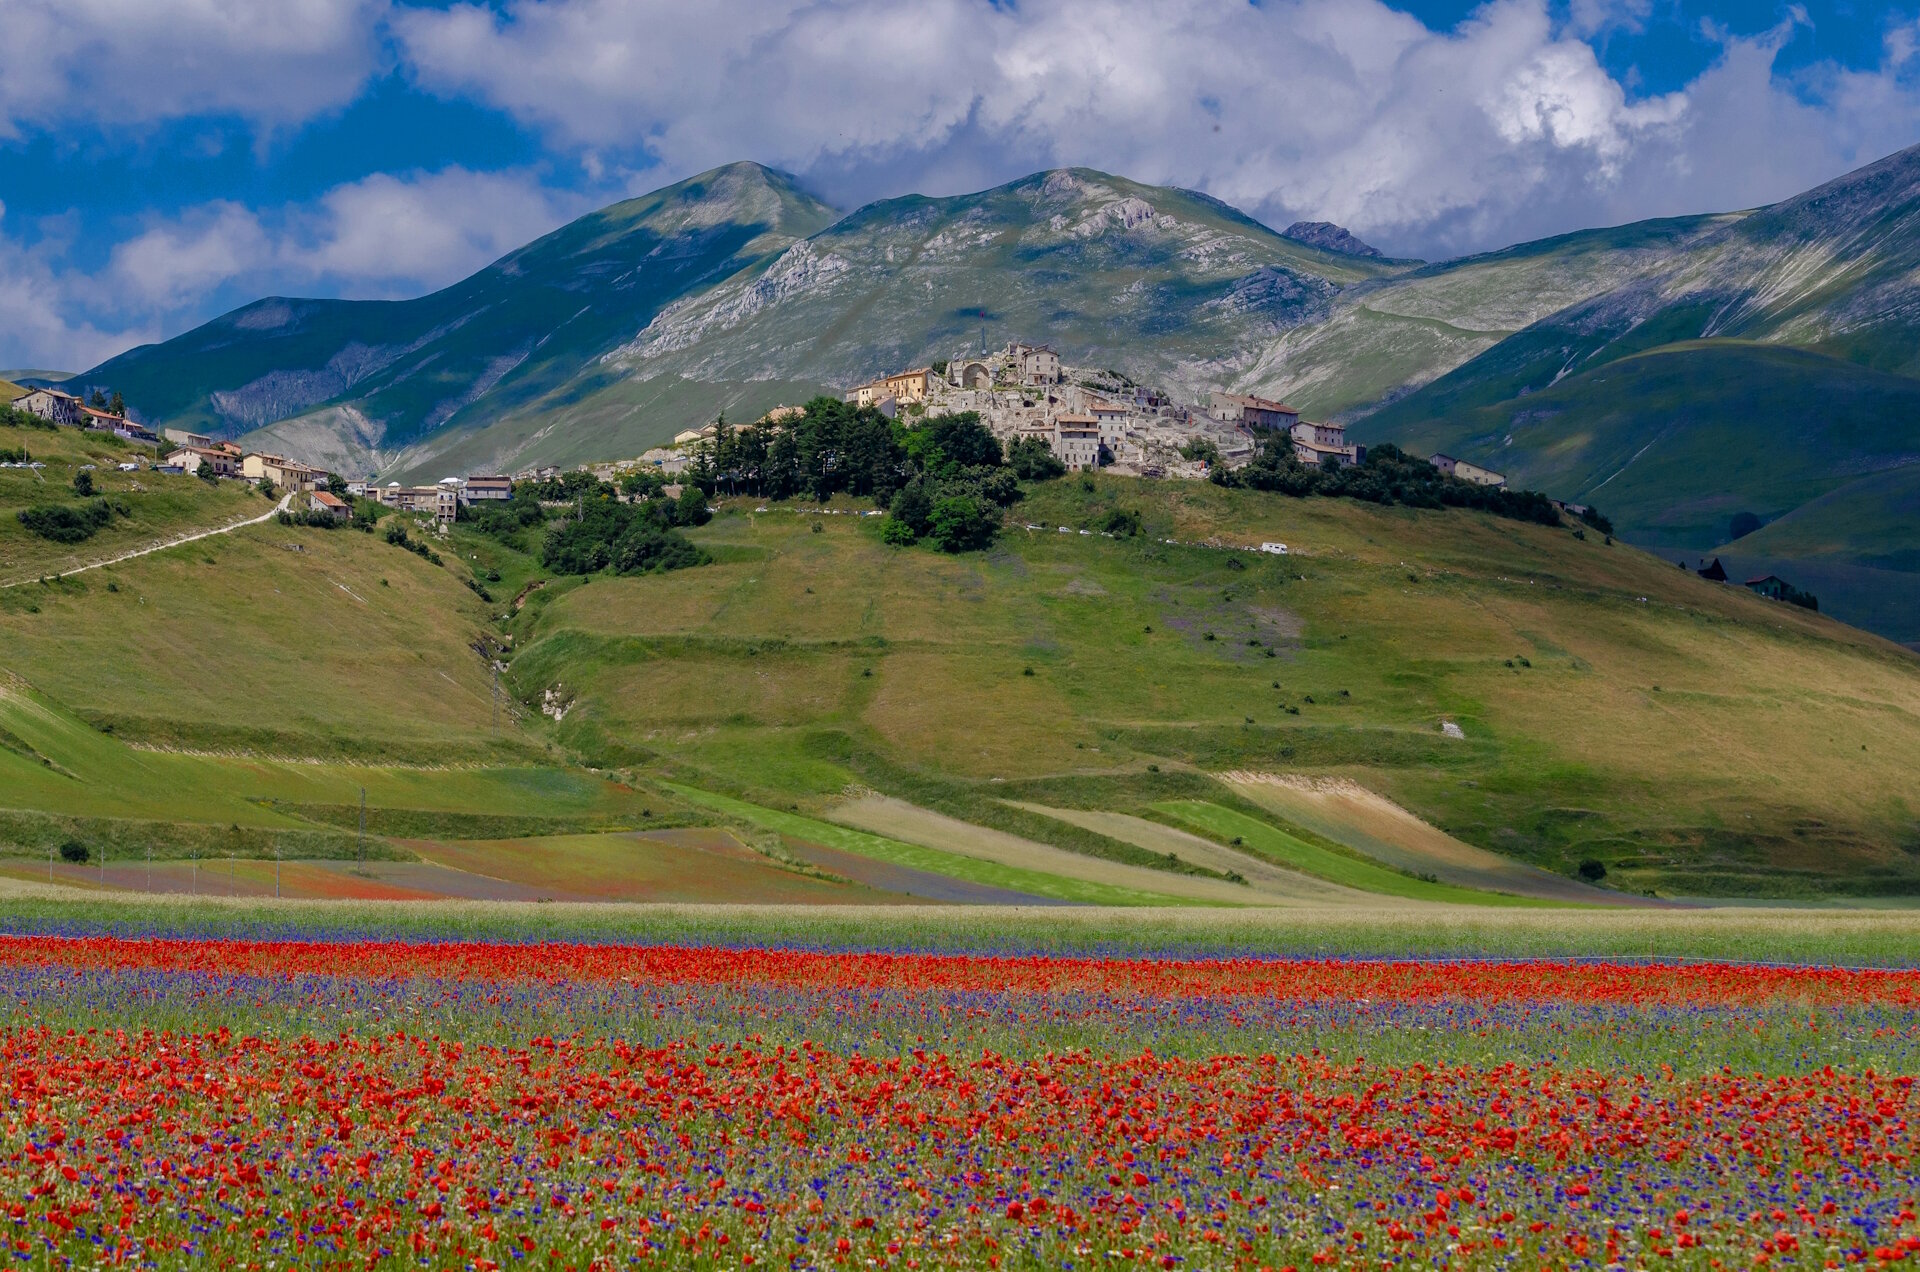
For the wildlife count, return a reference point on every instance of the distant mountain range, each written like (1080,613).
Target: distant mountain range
(1674,372)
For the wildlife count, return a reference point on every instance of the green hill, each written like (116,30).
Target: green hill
(236,695)
(1689,735)
(1821,447)
(393,373)
(735,291)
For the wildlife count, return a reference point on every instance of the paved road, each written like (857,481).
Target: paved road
(286,501)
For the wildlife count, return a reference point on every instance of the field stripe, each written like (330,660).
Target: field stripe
(1279,846)
(900,853)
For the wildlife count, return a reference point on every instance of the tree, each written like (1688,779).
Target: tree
(1742,525)
(961,523)
(644,484)
(83,484)
(963,440)
(1592,870)
(206,473)
(912,507)
(116,404)
(1033,460)
(73,850)
(337,486)
(691,508)
(1121,523)
(98,401)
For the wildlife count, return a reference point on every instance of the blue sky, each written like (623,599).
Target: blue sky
(164,160)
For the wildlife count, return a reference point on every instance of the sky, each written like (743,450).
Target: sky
(163,161)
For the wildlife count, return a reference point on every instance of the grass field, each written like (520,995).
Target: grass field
(158,507)
(1349,814)
(1849,936)
(1024,710)
(637,867)
(1691,737)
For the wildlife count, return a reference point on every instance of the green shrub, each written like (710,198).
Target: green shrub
(73,850)
(64,523)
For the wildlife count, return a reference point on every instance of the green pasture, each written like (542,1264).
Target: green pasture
(157,507)
(1692,737)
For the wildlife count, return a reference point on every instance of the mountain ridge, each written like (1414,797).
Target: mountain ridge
(751,293)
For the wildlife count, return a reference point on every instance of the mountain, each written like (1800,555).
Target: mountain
(357,382)
(736,291)
(1329,237)
(1766,366)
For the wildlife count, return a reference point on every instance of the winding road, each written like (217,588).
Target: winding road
(286,501)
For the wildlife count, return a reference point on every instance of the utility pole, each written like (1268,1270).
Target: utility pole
(494,697)
(149,865)
(276,867)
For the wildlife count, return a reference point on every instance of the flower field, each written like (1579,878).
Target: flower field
(379,1103)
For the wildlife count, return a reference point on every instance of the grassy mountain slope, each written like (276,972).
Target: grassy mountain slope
(1674,441)
(1776,426)
(1383,339)
(1162,283)
(395,372)
(1635,394)
(1829,270)
(156,507)
(1689,735)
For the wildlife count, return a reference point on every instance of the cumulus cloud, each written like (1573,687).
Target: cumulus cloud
(1504,127)
(423,230)
(125,63)
(1438,141)
(380,237)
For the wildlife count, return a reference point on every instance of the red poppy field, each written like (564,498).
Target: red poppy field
(373,1103)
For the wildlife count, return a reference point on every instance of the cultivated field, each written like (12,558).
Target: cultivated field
(180,1098)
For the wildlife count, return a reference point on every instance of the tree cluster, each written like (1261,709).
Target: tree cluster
(14,417)
(64,523)
(310,517)
(833,447)
(601,533)
(503,518)
(958,482)
(398,537)
(1387,476)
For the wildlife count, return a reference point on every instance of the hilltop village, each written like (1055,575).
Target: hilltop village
(1023,397)
(1086,418)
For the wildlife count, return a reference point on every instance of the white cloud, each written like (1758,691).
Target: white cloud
(423,230)
(1505,127)
(130,62)
(39,314)
(177,262)
(381,237)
